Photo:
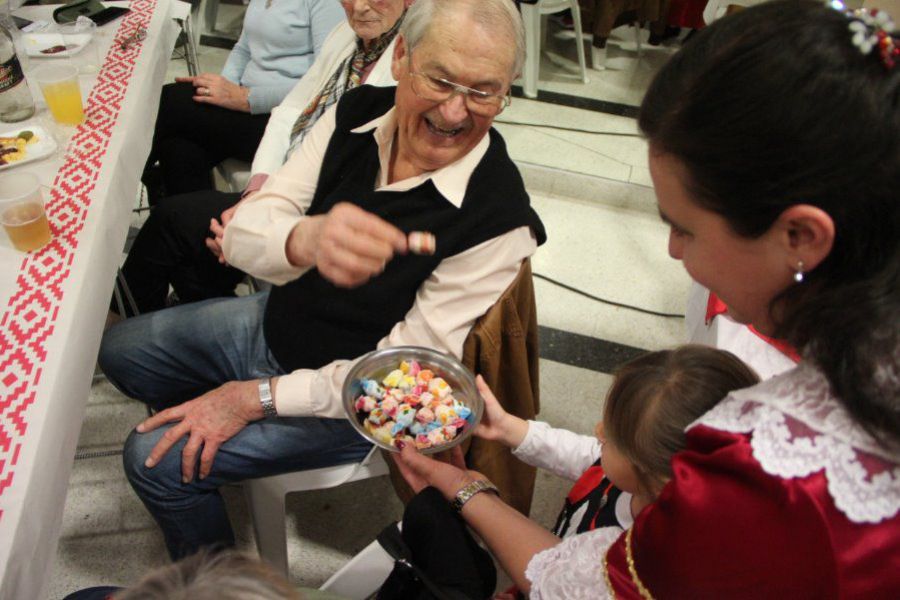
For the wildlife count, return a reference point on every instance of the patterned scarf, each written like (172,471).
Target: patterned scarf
(347,76)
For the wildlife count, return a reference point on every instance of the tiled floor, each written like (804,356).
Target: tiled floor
(604,238)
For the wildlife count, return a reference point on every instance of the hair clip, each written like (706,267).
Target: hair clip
(872,28)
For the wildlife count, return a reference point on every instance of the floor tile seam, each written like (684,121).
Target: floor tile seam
(582,146)
(86,536)
(117,400)
(114,445)
(544,180)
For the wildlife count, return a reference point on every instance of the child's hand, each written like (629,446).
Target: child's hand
(497,424)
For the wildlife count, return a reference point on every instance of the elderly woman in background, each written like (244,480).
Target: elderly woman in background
(205,119)
(170,247)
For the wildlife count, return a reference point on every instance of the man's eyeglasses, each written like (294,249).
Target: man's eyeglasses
(436,89)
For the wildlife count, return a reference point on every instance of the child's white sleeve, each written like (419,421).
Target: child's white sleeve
(560,451)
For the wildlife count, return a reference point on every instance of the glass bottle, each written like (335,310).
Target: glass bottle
(16,103)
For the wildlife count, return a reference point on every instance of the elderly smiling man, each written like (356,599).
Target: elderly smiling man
(249,387)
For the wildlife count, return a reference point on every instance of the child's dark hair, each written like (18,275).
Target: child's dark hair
(772,107)
(656,396)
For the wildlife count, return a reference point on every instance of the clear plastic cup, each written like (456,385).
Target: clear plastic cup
(59,84)
(81,47)
(22,211)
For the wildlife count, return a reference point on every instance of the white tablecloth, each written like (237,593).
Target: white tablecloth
(53,302)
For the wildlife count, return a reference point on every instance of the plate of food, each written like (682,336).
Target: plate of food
(418,395)
(55,45)
(24,145)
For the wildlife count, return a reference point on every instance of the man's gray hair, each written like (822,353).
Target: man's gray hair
(495,16)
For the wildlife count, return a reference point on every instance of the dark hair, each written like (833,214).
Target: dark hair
(210,575)
(656,396)
(772,107)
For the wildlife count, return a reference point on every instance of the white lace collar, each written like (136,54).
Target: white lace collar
(799,428)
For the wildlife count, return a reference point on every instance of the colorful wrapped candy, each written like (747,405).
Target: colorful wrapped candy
(411,404)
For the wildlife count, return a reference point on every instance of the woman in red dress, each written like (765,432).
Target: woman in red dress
(775,155)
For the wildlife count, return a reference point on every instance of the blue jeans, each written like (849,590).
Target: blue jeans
(172,355)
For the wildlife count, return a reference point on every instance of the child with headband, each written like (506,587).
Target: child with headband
(651,402)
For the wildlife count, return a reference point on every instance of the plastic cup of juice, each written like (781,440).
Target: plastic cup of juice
(59,84)
(22,211)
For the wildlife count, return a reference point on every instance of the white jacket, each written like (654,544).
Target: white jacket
(339,44)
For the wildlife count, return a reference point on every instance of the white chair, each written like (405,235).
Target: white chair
(598,55)
(363,575)
(210,14)
(181,14)
(534,17)
(235,173)
(266,499)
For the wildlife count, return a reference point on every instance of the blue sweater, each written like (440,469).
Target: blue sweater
(278,45)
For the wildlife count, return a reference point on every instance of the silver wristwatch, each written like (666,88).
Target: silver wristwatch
(470,490)
(265,398)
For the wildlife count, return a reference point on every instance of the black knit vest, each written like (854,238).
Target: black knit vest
(309,322)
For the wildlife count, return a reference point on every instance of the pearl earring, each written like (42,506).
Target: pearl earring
(798,275)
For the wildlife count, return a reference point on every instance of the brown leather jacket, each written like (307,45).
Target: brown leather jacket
(503,348)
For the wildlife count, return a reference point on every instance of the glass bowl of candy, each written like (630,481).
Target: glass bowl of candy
(418,395)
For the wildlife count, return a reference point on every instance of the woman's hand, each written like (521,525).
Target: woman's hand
(210,88)
(497,424)
(421,471)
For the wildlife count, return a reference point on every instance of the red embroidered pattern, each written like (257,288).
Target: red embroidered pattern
(28,318)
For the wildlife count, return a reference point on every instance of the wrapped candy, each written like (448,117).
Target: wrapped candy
(377,416)
(371,388)
(382,433)
(404,418)
(445,414)
(389,406)
(439,388)
(393,379)
(421,242)
(425,415)
(365,404)
(424,376)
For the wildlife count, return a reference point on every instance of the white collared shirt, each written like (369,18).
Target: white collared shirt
(461,289)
